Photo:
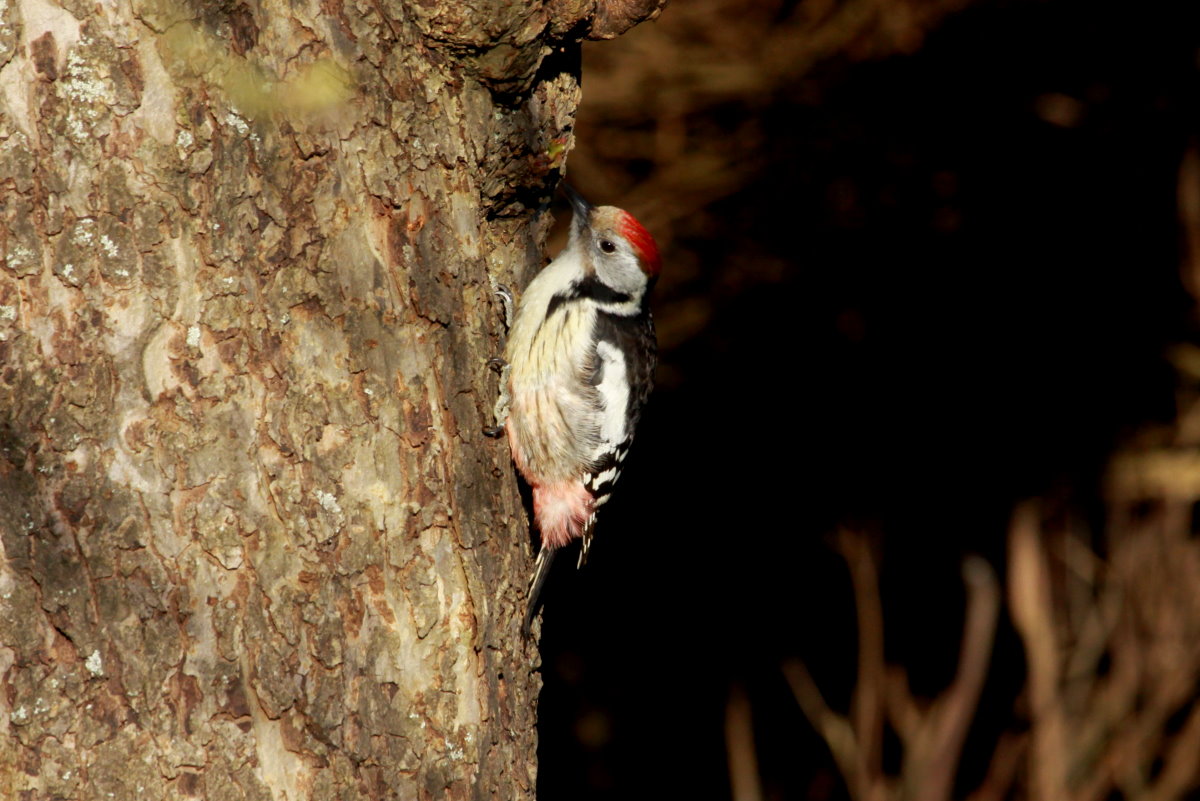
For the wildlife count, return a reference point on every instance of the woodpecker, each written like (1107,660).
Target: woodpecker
(579,367)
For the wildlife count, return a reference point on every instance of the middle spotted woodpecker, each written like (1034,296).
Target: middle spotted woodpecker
(580,365)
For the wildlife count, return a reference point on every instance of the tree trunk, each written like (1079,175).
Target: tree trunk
(254,544)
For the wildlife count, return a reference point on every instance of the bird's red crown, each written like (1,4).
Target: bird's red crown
(642,242)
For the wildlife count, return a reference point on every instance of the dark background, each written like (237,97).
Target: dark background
(910,280)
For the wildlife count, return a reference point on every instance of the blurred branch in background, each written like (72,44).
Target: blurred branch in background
(932,734)
(703,125)
(1112,632)
(739,741)
(1112,651)
(672,118)
(672,74)
(1110,628)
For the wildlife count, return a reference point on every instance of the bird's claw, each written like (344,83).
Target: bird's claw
(500,365)
(506,300)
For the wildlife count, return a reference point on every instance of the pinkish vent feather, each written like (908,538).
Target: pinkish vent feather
(562,510)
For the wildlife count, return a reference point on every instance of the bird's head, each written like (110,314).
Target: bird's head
(613,245)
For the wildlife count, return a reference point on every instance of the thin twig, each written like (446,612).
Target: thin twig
(1032,606)
(739,742)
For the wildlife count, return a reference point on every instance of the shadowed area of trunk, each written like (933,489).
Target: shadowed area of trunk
(254,544)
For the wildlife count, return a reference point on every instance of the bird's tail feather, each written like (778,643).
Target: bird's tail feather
(541,569)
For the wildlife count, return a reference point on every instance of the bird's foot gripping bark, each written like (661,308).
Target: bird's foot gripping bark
(506,300)
(500,411)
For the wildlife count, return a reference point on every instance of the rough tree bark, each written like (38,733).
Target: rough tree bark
(253,542)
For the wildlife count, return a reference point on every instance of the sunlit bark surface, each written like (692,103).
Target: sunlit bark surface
(253,542)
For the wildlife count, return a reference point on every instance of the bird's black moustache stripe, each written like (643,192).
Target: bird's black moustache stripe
(589,288)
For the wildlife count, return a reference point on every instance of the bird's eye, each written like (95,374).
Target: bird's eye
(607,246)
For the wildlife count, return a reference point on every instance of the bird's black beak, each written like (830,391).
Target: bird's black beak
(579,207)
